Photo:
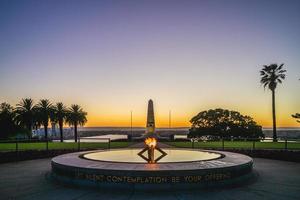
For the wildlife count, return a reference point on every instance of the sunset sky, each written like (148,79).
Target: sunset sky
(112,56)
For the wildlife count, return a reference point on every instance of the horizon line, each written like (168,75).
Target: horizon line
(265,127)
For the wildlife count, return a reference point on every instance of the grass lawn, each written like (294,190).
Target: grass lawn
(59,145)
(237,144)
(100,145)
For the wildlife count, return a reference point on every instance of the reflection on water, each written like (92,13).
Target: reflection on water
(130,155)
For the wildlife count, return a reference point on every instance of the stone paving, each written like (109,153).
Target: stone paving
(27,180)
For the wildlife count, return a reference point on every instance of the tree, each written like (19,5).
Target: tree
(76,116)
(60,113)
(44,109)
(37,119)
(271,75)
(216,123)
(296,116)
(7,125)
(25,114)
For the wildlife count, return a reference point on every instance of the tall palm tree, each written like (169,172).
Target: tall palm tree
(60,113)
(44,109)
(37,119)
(271,75)
(76,116)
(52,117)
(25,114)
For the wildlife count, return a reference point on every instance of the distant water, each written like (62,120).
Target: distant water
(291,133)
(100,138)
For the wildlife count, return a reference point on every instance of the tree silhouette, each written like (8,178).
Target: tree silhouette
(7,125)
(76,116)
(271,75)
(25,114)
(216,123)
(44,109)
(60,113)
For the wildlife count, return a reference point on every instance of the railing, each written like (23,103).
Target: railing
(243,143)
(47,145)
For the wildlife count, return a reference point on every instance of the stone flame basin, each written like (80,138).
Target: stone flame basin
(180,169)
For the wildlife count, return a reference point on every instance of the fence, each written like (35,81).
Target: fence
(47,145)
(245,143)
(105,143)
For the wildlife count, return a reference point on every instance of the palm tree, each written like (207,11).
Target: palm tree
(296,116)
(271,75)
(60,113)
(52,117)
(44,109)
(7,125)
(76,116)
(6,108)
(37,119)
(25,114)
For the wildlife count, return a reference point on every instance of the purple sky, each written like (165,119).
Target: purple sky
(188,56)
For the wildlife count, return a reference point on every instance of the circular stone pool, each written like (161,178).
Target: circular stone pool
(180,169)
(130,156)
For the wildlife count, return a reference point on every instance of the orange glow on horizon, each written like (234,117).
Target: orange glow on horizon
(163,122)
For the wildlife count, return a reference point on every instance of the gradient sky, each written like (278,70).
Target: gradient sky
(110,57)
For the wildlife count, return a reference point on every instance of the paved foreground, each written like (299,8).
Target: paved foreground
(27,180)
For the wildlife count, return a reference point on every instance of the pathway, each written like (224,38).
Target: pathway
(277,180)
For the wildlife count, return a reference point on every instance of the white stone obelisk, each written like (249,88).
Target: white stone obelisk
(150,127)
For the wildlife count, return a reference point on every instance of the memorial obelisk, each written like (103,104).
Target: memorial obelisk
(150,127)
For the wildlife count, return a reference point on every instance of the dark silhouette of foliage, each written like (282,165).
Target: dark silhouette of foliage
(76,116)
(296,116)
(7,124)
(224,123)
(27,116)
(271,75)
(25,112)
(59,116)
(44,109)
(37,119)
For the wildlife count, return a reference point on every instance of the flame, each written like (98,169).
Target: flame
(150,142)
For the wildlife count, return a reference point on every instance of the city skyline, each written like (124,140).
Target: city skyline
(112,57)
